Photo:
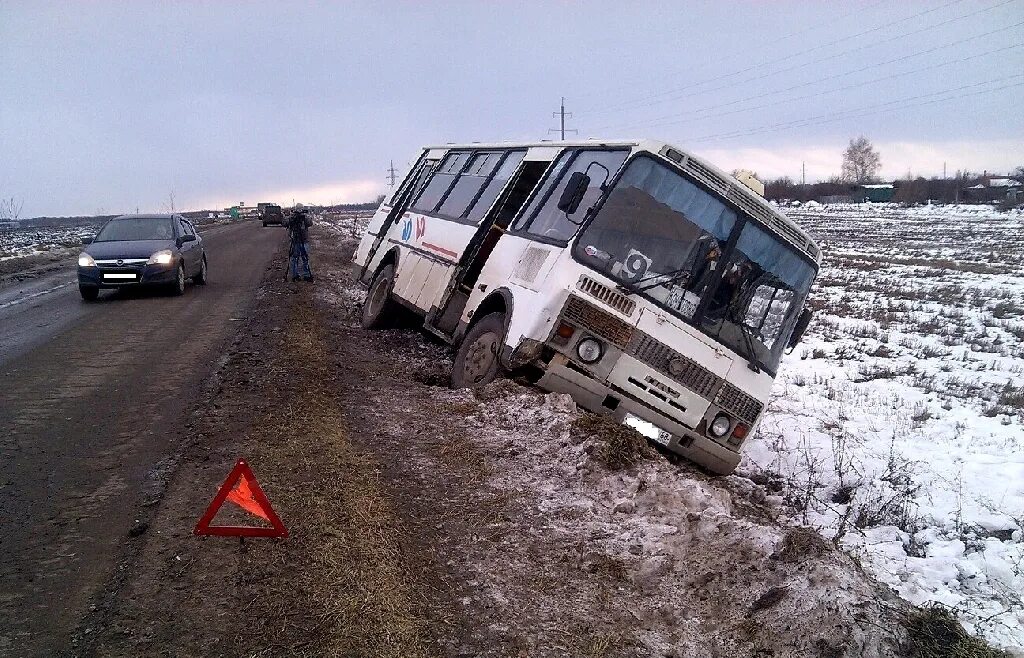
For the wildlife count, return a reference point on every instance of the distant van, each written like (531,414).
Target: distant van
(272,214)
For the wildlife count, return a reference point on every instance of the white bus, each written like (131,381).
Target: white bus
(631,274)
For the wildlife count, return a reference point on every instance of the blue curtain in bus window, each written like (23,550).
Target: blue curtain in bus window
(680,195)
(772,256)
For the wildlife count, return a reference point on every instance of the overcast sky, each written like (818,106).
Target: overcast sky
(111,106)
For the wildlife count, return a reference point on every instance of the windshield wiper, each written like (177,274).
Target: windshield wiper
(752,362)
(672,277)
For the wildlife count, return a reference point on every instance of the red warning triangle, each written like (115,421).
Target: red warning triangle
(247,495)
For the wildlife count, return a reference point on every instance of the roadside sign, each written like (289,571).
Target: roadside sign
(242,489)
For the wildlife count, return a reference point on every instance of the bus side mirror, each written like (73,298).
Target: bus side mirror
(573,193)
(801,327)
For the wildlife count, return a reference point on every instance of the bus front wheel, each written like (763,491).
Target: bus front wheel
(379,309)
(477,361)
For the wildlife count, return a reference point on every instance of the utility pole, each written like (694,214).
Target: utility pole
(391,174)
(561,114)
(803,173)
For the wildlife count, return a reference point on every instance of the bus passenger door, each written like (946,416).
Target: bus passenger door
(493,226)
(410,188)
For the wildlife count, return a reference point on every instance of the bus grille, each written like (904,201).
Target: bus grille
(603,293)
(738,403)
(588,316)
(667,361)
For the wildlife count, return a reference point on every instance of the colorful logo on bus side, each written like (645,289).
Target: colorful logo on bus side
(421,228)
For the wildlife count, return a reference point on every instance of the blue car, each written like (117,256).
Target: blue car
(142,250)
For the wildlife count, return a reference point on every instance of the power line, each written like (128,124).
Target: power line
(561,114)
(775,41)
(866,110)
(674,94)
(691,115)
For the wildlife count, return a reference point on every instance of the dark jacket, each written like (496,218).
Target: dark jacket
(298,226)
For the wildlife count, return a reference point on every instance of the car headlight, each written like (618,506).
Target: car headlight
(85,260)
(162,257)
(719,426)
(589,350)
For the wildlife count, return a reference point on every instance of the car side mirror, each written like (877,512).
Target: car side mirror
(801,327)
(186,238)
(87,240)
(573,193)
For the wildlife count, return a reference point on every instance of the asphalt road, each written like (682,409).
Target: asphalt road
(94,399)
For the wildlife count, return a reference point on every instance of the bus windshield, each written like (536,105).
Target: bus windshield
(661,235)
(754,307)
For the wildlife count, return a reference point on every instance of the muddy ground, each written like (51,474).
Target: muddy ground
(430,522)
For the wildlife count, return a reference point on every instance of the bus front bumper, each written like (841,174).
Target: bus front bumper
(592,395)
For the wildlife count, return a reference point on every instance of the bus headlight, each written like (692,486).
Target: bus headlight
(589,350)
(719,426)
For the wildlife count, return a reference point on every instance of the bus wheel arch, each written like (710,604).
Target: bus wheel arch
(480,357)
(379,307)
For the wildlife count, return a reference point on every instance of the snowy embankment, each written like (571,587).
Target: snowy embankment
(20,242)
(894,430)
(896,426)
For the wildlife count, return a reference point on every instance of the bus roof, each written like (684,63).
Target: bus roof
(735,191)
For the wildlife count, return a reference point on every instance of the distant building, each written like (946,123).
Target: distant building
(874,193)
(993,189)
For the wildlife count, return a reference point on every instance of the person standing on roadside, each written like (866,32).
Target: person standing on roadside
(298,244)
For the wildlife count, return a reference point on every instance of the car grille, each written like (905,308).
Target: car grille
(737,403)
(603,293)
(665,360)
(591,318)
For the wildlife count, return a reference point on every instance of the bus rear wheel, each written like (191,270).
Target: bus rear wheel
(477,361)
(379,309)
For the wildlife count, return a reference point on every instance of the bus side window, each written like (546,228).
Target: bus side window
(498,182)
(415,182)
(441,182)
(550,222)
(468,185)
(552,179)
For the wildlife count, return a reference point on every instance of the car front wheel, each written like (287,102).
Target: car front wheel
(477,361)
(200,278)
(89,293)
(178,287)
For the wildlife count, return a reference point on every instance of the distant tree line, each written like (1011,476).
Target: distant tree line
(910,190)
(861,164)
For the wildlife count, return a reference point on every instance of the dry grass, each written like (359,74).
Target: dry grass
(346,559)
(935,633)
(616,445)
(800,544)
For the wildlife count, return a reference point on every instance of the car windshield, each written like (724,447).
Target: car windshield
(760,294)
(660,233)
(136,228)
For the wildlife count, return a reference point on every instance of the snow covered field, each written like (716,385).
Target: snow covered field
(15,243)
(896,426)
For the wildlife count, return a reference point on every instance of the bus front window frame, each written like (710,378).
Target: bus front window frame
(708,283)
